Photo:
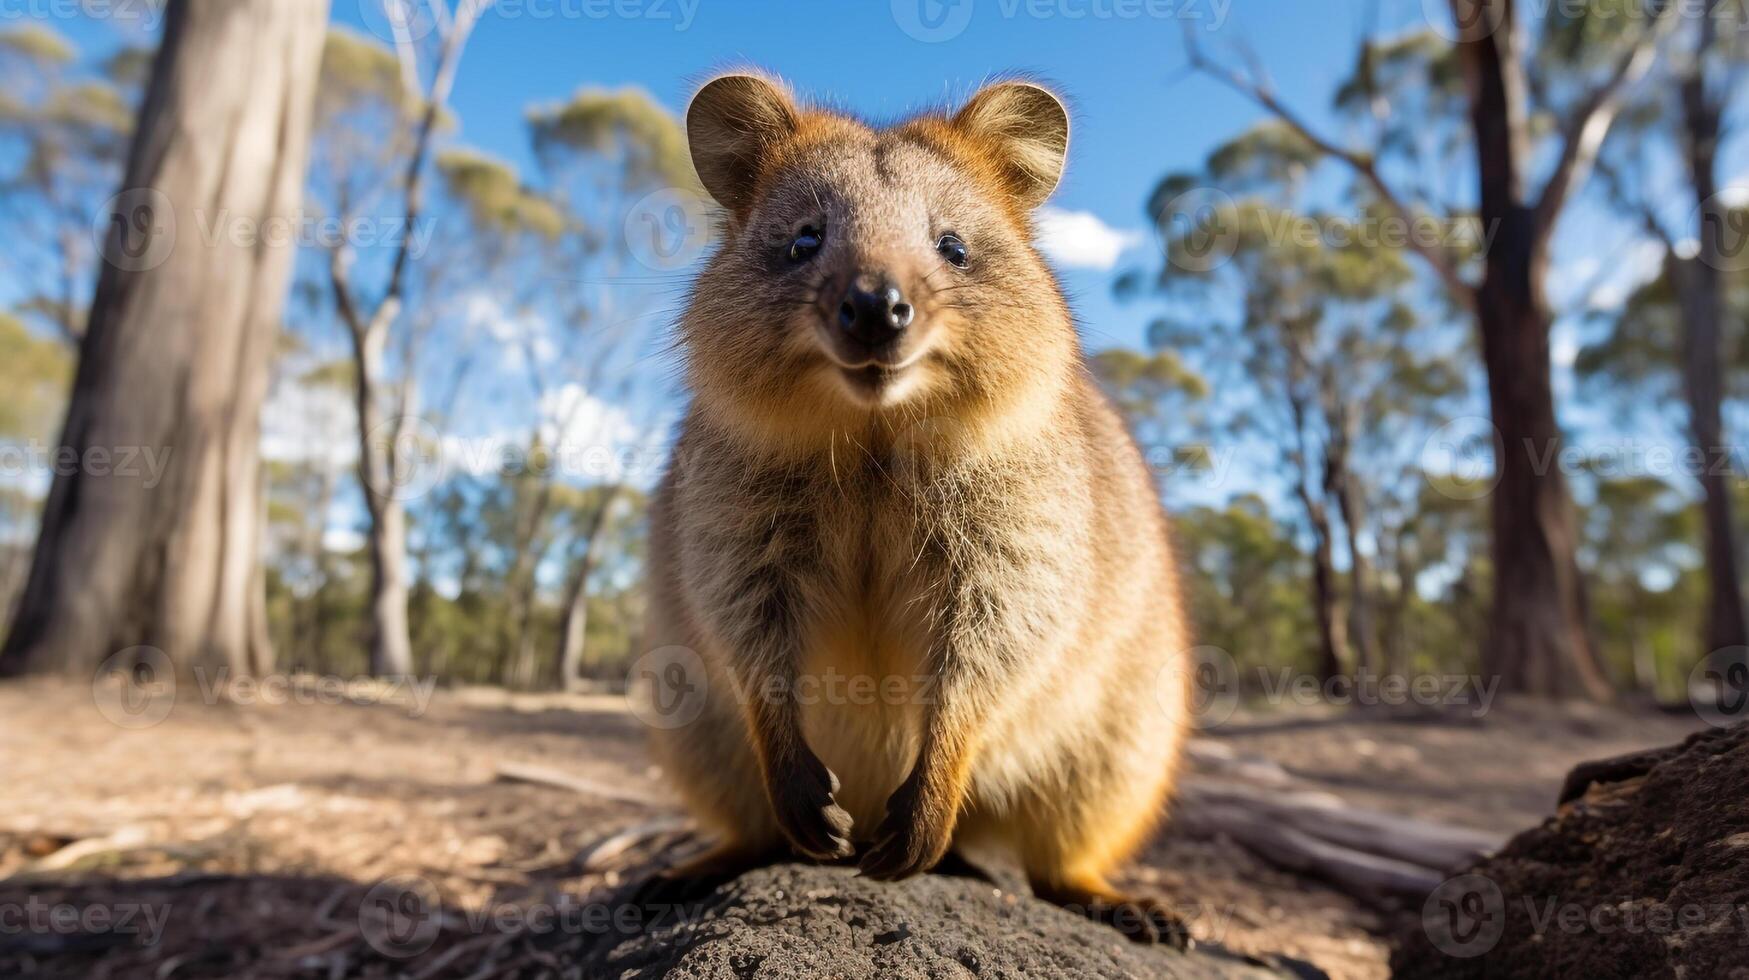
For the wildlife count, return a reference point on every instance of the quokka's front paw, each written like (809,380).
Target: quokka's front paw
(801,798)
(912,838)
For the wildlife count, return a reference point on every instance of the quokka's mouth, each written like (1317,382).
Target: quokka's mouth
(877,385)
(871,377)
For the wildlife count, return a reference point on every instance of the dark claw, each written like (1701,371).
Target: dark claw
(812,820)
(902,847)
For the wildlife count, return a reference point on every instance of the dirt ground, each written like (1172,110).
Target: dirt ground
(227,838)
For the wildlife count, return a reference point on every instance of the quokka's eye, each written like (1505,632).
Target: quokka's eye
(806,245)
(952,249)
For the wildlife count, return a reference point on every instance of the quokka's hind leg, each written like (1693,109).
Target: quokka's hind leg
(1141,918)
(1068,846)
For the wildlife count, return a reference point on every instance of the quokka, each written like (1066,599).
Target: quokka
(895,466)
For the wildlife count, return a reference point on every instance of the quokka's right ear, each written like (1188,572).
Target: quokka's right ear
(731,125)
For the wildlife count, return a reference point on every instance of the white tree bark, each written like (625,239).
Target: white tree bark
(155,538)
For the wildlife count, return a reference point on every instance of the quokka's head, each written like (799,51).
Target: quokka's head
(872,274)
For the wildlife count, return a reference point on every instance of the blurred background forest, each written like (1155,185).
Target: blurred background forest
(1353,312)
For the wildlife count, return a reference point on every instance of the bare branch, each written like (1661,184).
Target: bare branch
(1363,165)
(1590,124)
(339,280)
(399,14)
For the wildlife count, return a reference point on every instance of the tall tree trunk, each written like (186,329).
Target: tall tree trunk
(520,667)
(1361,621)
(391,645)
(174,359)
(1339,486)
(1700,294)
(1539,641)
(1333,655)
(574,629)
(1396,617)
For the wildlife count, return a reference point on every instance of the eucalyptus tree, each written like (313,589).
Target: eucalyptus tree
(1323,358)
(1683,320)
(1516,109)
(381,112)
(174,358)
(617,161)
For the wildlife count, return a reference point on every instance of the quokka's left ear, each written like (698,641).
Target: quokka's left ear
(1025,129)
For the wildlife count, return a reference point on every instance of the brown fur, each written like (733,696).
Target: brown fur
(977,540)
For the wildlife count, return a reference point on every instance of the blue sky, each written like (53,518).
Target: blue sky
(1137,112)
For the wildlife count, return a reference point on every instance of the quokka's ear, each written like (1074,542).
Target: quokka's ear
(732,123)
(1026,130)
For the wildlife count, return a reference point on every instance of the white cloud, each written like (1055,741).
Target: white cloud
(1080,240)
(592,440)
(512,332)
(342,540)
(575,416)
(308,423)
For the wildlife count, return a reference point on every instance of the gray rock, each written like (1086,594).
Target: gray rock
(813,923)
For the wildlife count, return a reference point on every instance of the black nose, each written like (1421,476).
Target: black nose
(874,313)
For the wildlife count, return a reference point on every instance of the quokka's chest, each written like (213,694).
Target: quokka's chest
(864,684)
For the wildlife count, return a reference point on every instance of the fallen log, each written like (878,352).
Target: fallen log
(1379,857)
